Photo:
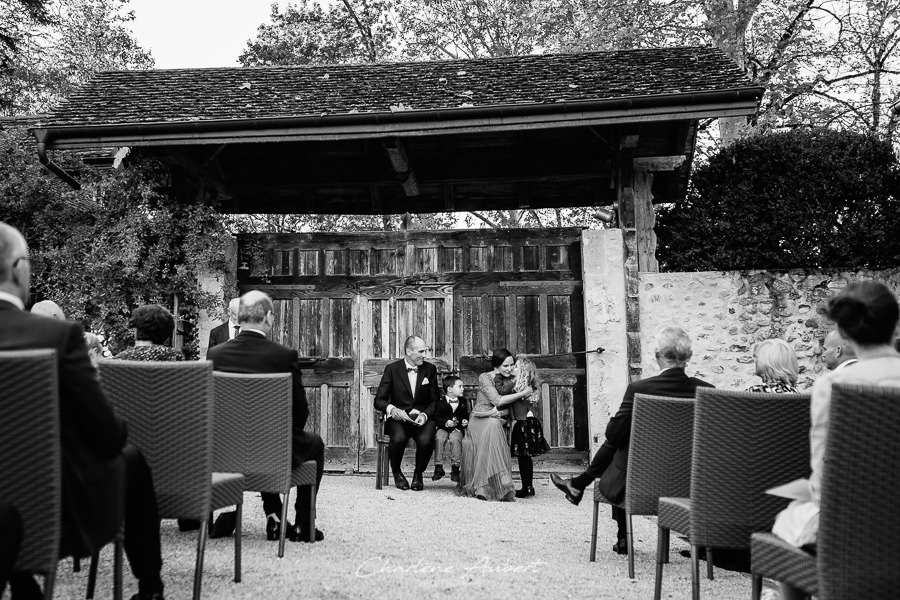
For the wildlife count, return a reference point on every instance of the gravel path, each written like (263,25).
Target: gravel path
(423,545)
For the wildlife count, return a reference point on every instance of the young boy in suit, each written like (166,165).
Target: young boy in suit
(452,417)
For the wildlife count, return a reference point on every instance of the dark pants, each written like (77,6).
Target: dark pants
(10,541)
(602,459)
(400,433)
(306,446)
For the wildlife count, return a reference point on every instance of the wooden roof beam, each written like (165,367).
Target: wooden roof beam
(401,165)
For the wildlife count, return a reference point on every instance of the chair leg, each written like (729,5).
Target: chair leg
(76,564)
(709,563)
(662,557)
(594,533)
(756,586)
(312,511)
(238,515)
(629,537)
(695,572)
(92,575)
(284,512)
(50,582)
(379,458)
(118,551)
(201,550)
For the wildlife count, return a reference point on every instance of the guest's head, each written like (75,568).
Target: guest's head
(94,347)
(836,350)
(48,308)
(503,361)
(15,269)
(234,306)
(256,311)
(865,313)
(453,386)
(415,350)
(777,362)
(673,348)
(152,323)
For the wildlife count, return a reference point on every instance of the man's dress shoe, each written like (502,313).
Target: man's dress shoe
(438,472)
(525,492)
(572,493)
(417,485)
(273,530)
(224,525)
(296,535)
(400,481)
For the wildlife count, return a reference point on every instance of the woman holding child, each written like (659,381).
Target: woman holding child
(486,469)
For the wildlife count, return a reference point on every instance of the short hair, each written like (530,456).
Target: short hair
(9,238)
(499,356)
(93,343)
(408,344)
(674,345)
(866,312)
(255,305)
(152,322)
(777,361)
(450,381)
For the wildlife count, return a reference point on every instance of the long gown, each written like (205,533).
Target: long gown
(485,469)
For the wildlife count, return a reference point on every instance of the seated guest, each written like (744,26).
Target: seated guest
(776,365)
(452,418)
(866,315)
(93,438)
(153,326)
(48,308)
(673,351)
(94,347)
(836,352)
(252,352)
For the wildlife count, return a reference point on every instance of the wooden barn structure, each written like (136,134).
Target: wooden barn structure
(605,129)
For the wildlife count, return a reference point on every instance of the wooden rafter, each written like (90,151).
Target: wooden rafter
(401,165)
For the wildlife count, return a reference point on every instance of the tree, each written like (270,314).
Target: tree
(803,198)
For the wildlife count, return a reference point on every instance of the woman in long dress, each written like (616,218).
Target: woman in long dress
(486,472)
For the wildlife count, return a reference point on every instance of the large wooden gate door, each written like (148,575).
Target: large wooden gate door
(347,302)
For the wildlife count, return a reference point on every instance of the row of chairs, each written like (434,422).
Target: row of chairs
(208,437)
(703,467)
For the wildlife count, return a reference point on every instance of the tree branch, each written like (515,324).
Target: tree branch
(485,219)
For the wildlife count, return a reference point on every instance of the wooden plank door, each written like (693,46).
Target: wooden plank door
(387,318)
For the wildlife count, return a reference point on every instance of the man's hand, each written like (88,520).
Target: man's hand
(420,419)
(450,423)
(398,414)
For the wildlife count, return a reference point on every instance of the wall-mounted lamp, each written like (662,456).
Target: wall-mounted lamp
(606,215)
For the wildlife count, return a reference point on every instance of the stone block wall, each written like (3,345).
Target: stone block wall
(728,313)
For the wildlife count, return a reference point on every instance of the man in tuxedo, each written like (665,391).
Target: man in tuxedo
(95,456)
(252,352)
(673,351)
(407,395)
(836,352)
(227,330)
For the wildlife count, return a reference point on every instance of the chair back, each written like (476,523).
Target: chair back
(744,443)
(30,453)
(659,455)
(253,428)
(859,531)
(169,410)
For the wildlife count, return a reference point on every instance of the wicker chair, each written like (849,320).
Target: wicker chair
(859,534)
(169,409)
(30,463)
(744,443)
(253,436)
(659,461)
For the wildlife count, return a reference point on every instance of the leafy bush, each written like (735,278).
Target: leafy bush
(800,199)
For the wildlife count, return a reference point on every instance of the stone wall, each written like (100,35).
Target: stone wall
(222,284)
(727,313)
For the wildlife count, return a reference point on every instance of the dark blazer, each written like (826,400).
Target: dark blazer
(218,335)
(394,389)
(612,456)
(92,435)
(444,412)
(251,352)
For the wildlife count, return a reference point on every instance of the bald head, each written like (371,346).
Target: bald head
(836,350)
(255,310)
(15,270)
(48,308)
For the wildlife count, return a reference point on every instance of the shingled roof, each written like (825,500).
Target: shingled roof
(192,95)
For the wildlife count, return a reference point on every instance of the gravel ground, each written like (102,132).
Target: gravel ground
(423,545)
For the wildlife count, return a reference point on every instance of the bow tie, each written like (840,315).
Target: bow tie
(412,369)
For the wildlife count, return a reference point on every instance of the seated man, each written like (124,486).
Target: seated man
(252,352)
(673,351)
(407,396)
(93,438)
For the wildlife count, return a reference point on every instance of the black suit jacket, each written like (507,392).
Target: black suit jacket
(394,389)
(218,335)
(444,412)
(92,435)
(251,352)
(612,456)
